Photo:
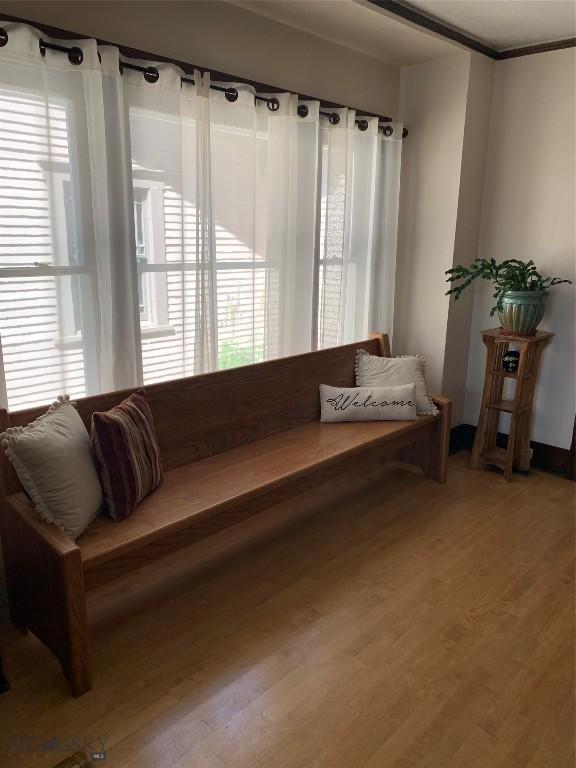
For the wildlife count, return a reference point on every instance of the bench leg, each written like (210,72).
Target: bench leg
(430,453)
(438,443)
(75,653)
(14,568)
(56,606)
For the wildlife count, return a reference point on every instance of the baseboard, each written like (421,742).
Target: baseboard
(560,461)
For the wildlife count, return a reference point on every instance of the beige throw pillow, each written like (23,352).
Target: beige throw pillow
(375,371)
(53,460)
(367,403)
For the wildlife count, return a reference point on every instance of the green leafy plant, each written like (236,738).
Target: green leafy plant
(509,275)
(232,355)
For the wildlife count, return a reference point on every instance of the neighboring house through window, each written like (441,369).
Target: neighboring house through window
(150,253)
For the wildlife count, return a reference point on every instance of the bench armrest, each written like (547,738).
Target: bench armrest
(51,535)
(30,546)
(46,586)
(441,402)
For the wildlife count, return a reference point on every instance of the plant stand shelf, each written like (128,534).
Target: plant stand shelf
(517,453)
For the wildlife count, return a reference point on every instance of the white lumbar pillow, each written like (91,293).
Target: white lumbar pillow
(374,371)
(52,457)
(367,403)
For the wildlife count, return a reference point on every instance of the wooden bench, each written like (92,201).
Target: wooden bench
(232,443)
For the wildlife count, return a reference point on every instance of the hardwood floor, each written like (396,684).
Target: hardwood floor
(404,624)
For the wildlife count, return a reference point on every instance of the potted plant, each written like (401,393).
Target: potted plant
(519,291)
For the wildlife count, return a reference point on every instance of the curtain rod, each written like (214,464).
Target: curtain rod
(151,75)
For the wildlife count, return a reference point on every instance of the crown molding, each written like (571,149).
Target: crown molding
(433,25)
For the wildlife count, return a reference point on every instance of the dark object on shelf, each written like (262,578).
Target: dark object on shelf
(4,684)
(510,361)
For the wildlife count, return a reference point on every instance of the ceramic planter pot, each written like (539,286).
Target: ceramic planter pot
(521,312)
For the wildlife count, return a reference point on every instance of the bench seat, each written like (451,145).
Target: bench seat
(194,494)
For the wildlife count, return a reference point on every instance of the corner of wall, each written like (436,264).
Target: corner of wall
(528,212)
(434,105)
(468,223)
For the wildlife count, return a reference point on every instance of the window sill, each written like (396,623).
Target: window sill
(66,343)
(157,331)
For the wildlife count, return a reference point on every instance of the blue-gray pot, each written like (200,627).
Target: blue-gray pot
(521,312)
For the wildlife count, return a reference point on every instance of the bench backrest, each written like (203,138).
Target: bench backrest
(203,415)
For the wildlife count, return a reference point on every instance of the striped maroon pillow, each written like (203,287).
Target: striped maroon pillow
(127,454)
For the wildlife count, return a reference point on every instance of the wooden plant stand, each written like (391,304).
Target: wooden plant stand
(517,453)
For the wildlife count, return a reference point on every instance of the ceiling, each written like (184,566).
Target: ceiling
(357,25)
(364,27)
(504,24)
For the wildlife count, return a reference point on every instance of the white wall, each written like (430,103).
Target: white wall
(216,35)
(476,130)
(488,170)
(433,104)
(528,212)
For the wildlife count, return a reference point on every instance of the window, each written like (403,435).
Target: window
(166,240)
(142,248)
(45,287)
(165,237)
(331,244)
(244,276)
(150,252)
(149,237)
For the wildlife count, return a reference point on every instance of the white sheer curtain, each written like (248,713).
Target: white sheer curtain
(291,223)
(154,230)
(359,199)
(385,229)
(118,294)
(59,235)
(169,125)
(228,192)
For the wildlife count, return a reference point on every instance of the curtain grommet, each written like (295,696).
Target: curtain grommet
(75,55)
(3,37)
(273,104)
(231,95)
(332,117)
(302,110)
(388,130)
(151,75)
(362,125)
